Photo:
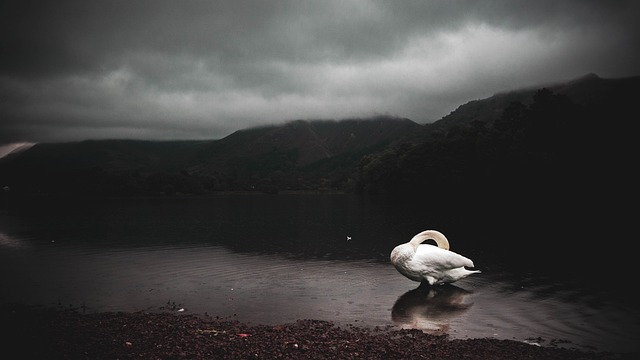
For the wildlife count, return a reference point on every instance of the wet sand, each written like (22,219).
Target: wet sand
(60,333)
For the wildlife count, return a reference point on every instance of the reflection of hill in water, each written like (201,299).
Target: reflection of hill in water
(430,308)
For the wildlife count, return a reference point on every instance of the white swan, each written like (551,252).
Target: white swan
(431,264)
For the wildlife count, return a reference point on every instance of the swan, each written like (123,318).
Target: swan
(434,265)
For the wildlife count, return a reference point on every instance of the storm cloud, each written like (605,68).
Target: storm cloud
(74,70)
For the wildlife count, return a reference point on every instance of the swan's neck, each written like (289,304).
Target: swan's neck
(436,236)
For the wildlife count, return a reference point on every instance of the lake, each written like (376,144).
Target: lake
(272,259)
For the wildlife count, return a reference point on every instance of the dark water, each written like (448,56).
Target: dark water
(274,259)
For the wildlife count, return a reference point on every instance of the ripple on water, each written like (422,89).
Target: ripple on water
(274,289)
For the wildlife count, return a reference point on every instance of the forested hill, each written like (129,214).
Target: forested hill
(554,140)
(567,136)
(589,91)
(298,155)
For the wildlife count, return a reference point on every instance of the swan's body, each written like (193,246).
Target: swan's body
(431,264)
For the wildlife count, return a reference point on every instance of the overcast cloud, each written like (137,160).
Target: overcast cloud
(74,70)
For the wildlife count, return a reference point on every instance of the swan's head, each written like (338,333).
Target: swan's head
(402,253)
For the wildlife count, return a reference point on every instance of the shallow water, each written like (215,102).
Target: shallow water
(275,259)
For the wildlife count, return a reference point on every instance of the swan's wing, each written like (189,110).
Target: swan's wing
(433,257)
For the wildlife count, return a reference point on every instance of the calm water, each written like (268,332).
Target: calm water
(275,259)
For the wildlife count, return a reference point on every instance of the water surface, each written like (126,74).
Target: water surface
(275,259)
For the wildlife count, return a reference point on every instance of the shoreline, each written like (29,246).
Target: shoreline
(47,332)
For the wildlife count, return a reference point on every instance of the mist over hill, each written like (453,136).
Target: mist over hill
(541,140)
(589,91)
(299,155)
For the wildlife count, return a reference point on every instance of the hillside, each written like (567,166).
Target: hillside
(538,142)
(542,139)
(311,141)
(298,155)
(589,91)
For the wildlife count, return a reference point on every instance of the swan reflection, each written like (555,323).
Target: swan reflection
(430,308)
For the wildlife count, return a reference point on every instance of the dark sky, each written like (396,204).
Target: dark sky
(74,70)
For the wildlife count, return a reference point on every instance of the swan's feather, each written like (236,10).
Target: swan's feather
(433,256)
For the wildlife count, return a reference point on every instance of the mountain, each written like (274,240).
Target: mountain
(589,91)
(537,142)
(564,154)
(550,129)
(296,155)
(306,142)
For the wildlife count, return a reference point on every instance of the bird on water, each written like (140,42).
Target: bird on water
(430,264)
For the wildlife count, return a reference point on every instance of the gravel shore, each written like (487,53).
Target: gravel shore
(53,333)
